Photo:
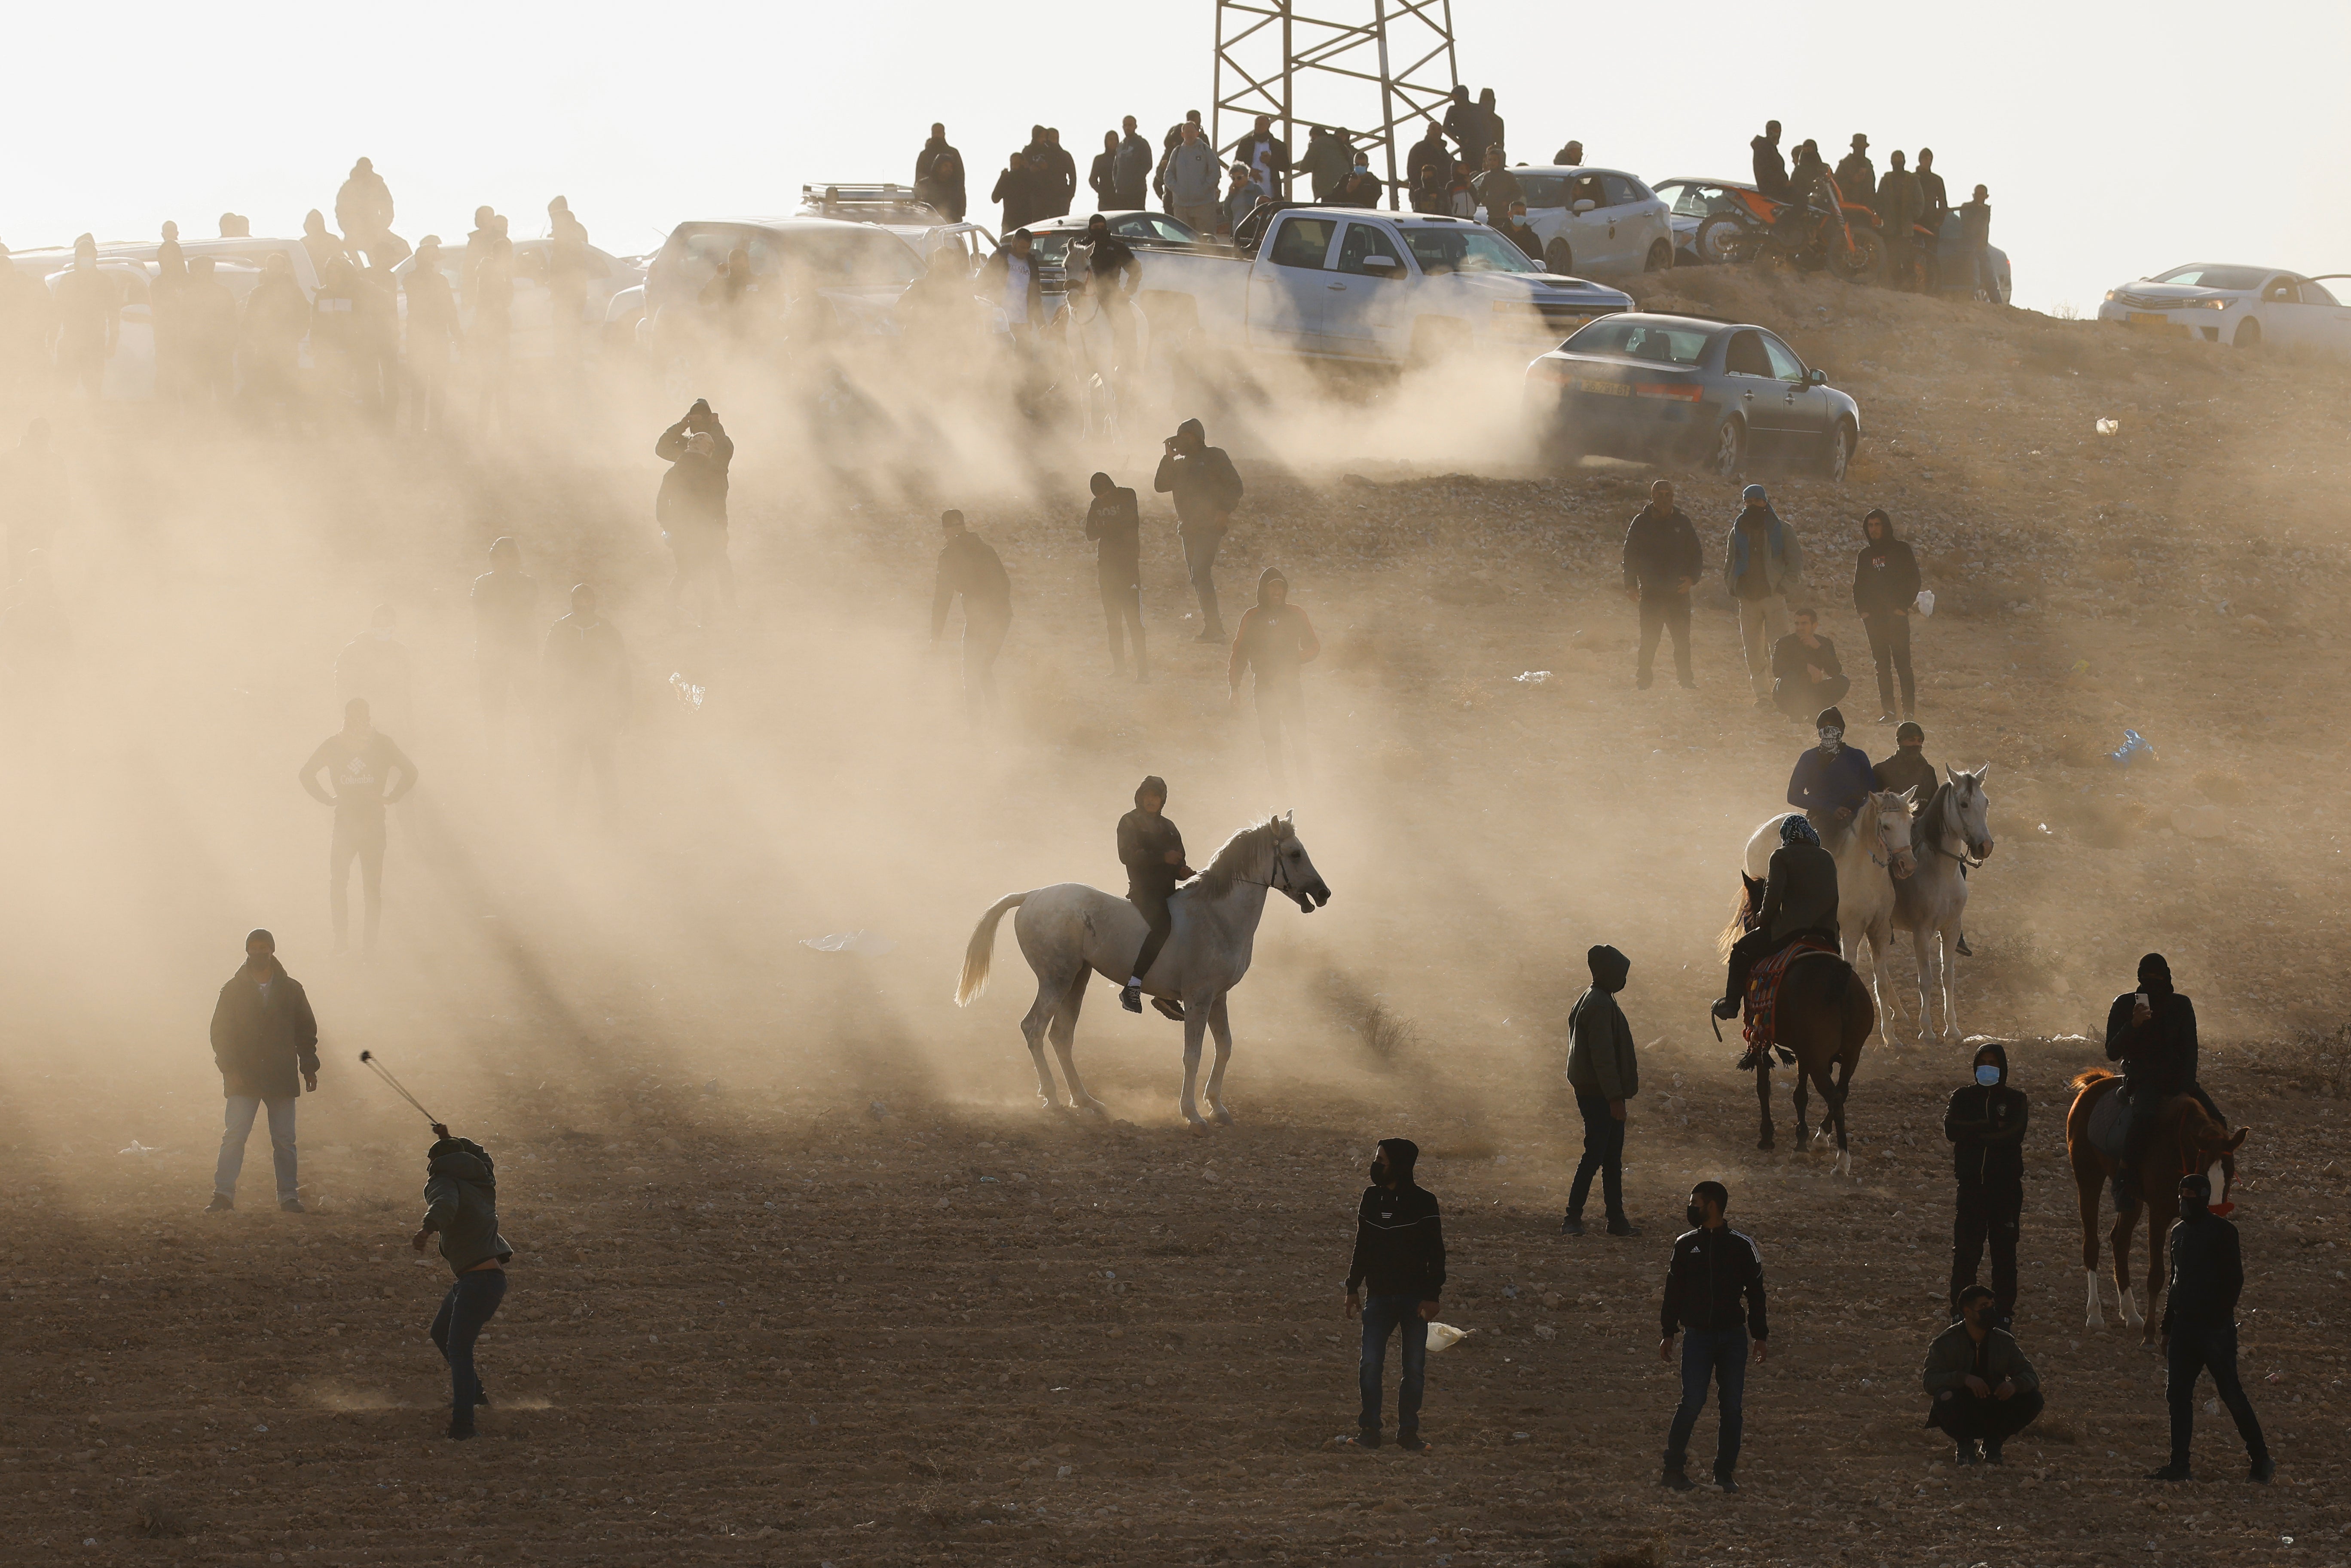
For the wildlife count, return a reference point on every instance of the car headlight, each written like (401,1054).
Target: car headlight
(2216,304)
(2110,294)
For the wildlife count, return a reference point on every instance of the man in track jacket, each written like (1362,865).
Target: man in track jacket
(1714,1296)
(1400,1257)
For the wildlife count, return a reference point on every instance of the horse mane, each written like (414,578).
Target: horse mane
(2094,1075)
(1740,908)
(1928,828)
(1239,854)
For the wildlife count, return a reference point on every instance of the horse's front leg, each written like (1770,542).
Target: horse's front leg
(1879,937)
(1220,1026)
(1196,1026)
(1926,950)
(1949,941)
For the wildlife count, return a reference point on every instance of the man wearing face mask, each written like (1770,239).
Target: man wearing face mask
(2152,1032)
(2199,1329)
(1831,782)
(1984,1390)
(1605,1073)
(1400,1257)
(1985,1124)
(1714,1296)
(1360,187)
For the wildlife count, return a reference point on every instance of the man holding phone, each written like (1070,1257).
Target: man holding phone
(1206,488)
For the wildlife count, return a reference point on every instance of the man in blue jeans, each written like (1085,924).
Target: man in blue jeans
(264,1035)
(1400,1256)
(1714,1295)
(461,1197)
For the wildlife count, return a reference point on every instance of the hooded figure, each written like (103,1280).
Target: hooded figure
(461,1200)
(1605,1073)
(1115,525)
(1205,488)
(1886,584)
(1771,169)
(265,1039)
(1465,122)
(2155,1041)
(1152,849)
(1908,768)
(1399,1268)
(1275,640)
(1985,1124)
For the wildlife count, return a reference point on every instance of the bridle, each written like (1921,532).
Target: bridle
(1951,826)
(1891,853)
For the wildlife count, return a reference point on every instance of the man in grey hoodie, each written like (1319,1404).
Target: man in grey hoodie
(1194,177)
(461,1204)
(1605,1073)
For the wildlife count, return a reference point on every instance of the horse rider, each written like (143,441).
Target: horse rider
(1114,275)
(1152,849)
(1800,899)
(1831,781)
(2152,1032)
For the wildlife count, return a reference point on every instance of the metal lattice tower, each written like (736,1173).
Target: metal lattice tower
(1397,65)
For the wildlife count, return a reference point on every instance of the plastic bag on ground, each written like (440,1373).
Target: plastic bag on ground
(1445,1336)
(872,944)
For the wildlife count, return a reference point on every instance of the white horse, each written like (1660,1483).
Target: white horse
(1953,835)
(1872,855)
(1069,931)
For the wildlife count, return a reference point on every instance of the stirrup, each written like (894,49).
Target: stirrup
(1726,1009)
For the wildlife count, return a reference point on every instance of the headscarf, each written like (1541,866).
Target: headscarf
(2154,977)
(1795,829)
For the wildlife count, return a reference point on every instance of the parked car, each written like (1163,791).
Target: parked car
(2242,305)
(1721,395)
(856,273)
(1355,283)
(1594,223)
(1052,238)
(534,303)
(897,209)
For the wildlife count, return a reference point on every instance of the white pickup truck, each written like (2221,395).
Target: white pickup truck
(1352,284)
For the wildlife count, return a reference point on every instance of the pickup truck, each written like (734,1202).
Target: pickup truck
(1354,284)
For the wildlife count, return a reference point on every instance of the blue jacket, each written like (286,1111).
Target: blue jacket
(1823,783)
(1784,567)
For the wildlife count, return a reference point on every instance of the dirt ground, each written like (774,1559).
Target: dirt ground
(805,1276)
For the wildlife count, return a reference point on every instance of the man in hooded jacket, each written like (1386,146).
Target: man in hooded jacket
(938,174)
(1771,169)
(1399,1258)
(2152,1032)
(263,1034)
(1800,899)
(1205,488)
(1274,637)
(1856,176)
(1886,584)
(461,1206)
(1152,849)
(691,504)
(1605,1071)
(1985,1124)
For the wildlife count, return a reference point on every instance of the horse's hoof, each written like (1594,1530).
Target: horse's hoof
(1094,1106)
(1224,1117)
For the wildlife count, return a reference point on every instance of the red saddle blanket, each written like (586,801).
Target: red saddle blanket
(1763,991)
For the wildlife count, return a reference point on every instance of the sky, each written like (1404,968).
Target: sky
(2116,141)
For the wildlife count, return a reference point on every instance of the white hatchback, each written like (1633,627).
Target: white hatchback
(2240,305)
(1595,222)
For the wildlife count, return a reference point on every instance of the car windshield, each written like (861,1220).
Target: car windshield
(1543,190)
(836,257)
(1465,250)
(2214,276)
(1657,341)
(1695,201)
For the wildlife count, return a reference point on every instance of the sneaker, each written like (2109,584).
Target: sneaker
(1366,1437)
(1409,1441)
(221,1203)
(1965,1454)
(1644,681)
(1130,999)
(292,1206)
(2168,1473)
(1620,1226)
(1169,1008)
(2262,1470)
(1689,685)
(1571,1225)
(457,1433)
(1727,1483)
(1678,1480)
(1992,1450)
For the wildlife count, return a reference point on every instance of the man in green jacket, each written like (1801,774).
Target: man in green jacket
(1605,1073)
(1984,1391)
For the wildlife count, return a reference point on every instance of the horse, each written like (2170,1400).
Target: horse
(1931,904)
(1871,855)
(1069,931)
(2186,1141)
(1096,354)
(1824,1016)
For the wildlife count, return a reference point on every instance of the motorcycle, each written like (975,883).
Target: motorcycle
(1844,241)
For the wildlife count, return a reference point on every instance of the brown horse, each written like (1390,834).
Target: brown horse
(2186,1141)
(1824,1015)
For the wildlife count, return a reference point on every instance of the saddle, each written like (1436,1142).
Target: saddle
(2109,1123)
(1763,997)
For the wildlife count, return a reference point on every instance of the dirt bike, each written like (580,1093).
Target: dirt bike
(1757,228)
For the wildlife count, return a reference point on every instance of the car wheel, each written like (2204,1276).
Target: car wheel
(2249,334)
(1839,455)
(1559,258)
(1661,256)
(1730,454)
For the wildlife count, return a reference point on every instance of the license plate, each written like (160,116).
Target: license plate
(1605,389)
(2149,319)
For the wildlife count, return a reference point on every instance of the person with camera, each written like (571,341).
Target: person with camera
(691,504)
(1206,488)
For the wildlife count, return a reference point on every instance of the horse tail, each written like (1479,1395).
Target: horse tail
(982,950)
(1730,935)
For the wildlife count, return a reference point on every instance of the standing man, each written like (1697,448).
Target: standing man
(1885,586)
(1206,487)
(1267,154)
(1326,160)
(968,566)
(938,174)
(1771,169)
(1908,768)
(263,1035)
(1831,782)
(1984,1391)
(1985,1123)
(1019,192)
(1359,187)
(1514,229)
(1174,138)
(1189,175)
(360,763)
(1662,561)
(1428,152)
(1975,245)
(1152,849)
(505,609)
(1115,525)
(1762,563)
(1714,1295)
(1856,176)
(2199,1329)
(1898,206)
(1400,1257)
(1130,167)
(1274,640)
(1605,1073)
(1058,171)
(1495,188)
(584,673)
(90,321)
(691,505)
(461,1206)
(1933,202)
(1465,122)
(1806,674)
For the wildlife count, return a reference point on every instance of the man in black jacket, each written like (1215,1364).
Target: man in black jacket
(2152,1032)
(1605,1071)
(1114,523)
(691,504)
(1934,198)
(1206,488)
(1908,768)
(1400,1259)
(1771,169)
(1800,899)
(969,566)
(2199,1329)
(1714,1296)
(461,1200)
(1662,561)
(1985,1124)
(263,1035)
(1885,586)
(1151,848)
(1807,673)
(938,176)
